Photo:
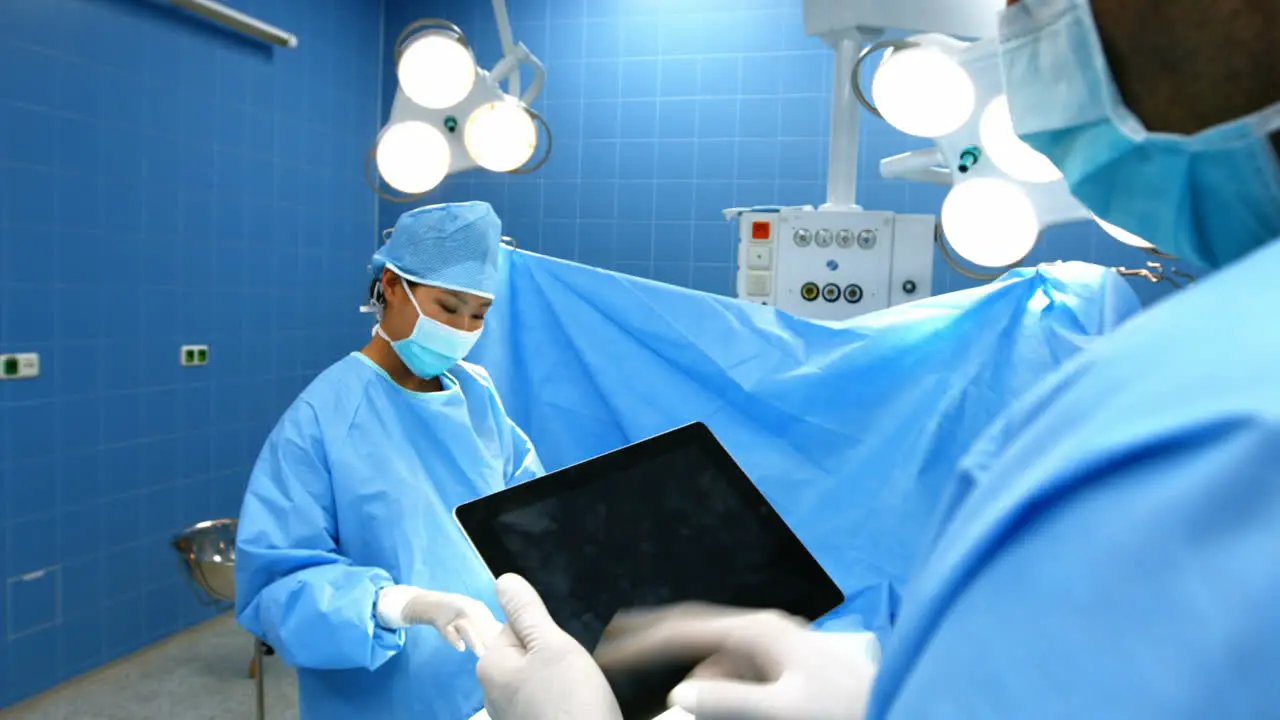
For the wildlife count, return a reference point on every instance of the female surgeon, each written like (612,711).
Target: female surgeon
(348,560)
(1111,547)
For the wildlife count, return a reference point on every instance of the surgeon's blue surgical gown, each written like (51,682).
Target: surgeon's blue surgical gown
(1112,549)
(355,491)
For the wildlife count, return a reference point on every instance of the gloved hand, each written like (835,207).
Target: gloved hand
(753,665)
(535,671)
(463,621)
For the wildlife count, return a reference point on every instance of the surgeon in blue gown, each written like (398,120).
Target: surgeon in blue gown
(348,560)
(1110,548)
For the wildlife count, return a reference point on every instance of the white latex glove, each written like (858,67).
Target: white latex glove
(753,665)
(535,671)
(464,622)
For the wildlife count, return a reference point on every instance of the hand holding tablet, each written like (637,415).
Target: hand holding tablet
(666,520)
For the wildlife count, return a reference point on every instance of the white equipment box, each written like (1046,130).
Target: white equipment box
(834,264)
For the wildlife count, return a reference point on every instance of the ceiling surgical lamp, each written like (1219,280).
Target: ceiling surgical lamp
(919,87)
(839,260)
(1004,193)
(449,115)
(435,66)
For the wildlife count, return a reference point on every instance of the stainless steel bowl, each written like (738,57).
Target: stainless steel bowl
(208,554)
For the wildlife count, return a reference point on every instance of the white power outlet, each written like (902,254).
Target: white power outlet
(194,355)
(19,366)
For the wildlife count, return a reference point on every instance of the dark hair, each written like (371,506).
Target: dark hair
(375,289)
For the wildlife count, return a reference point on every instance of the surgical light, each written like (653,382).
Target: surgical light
(412,156)
(450,116)
(990,222)
(1122,235)
(436,69)
(1008,151)
(920,88)
(1003,191)
(500,136)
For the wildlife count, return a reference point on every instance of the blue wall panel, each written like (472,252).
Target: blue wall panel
(162,182)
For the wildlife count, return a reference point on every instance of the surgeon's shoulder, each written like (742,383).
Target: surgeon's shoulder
(335,395)
(474,380)
(468,371)
(477,384)
(1111,555)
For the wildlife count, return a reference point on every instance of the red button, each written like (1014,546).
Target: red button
(760,231)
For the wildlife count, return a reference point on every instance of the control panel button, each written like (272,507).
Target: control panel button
(822,238)
(759,283)
(844,238)
(759,257)
(762,230)
(802,238)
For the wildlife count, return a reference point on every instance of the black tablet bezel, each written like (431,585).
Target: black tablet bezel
(476,518)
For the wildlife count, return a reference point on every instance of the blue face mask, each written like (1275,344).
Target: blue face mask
(1211,197)
(432,347)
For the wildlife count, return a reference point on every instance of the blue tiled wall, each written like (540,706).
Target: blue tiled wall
(666,112)
(161,182)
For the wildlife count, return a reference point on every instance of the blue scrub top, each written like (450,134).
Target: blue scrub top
(1111,548)
(354,491)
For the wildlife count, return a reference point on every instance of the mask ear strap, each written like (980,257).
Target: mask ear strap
(409,291)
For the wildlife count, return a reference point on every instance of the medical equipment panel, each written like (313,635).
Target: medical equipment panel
(833,264)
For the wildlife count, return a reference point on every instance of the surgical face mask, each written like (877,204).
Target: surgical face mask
(1211,197)
(432,347)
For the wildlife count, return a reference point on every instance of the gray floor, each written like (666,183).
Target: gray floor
(201,674)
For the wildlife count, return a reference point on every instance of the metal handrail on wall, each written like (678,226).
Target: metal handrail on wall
(239,22)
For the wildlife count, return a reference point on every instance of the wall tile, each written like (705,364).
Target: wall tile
(145,204)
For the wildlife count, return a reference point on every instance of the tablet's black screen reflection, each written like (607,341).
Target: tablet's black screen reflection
(668,529)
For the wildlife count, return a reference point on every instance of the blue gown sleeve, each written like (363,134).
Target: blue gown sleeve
(293,589)
(1140,583)
(524,464)
(521,462)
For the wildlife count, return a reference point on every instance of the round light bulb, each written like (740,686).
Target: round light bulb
(500,136)
(1013,156)
(990,222)
(436,71)
(1122,235)
(412,157)
(923,91)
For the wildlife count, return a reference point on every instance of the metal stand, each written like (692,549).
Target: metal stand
(206,555)
(257,671)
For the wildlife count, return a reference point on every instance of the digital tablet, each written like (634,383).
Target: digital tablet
(668,519)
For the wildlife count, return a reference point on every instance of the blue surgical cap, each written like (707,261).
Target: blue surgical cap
(452,246)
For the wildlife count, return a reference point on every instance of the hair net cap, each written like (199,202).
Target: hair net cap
(452,246)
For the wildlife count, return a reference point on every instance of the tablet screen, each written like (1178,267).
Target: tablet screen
(669,528)
(665,520)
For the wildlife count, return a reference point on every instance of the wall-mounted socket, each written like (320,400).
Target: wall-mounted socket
(19,366)
(194,355)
